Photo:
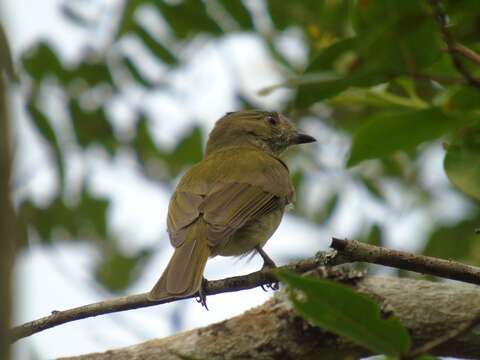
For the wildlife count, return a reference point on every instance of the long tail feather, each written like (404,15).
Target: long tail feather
(184,273)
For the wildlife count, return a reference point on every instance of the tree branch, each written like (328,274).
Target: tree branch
(450,335)
(453,49)
(131,302)
(347,251)
(274,331)
(352,250)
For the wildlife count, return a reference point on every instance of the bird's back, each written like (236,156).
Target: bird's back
(239,165)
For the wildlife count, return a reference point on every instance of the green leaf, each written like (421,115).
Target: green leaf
(461,161)
(157,49)
(455,242)
(117,271)
(188,151)
(462,165)
(326,57)
(312,91)
(92,127)
(143,142)
(297,180)
(464,99)
(87,218)
(92,215)
(385,47)
(318,18)
(187,18)
(127,20)
(373,187)
(42,124)
(340,309)
(374,236)
(463,18)
(389,132)
(41,61)
(237,9)
(44,220)
(137,74)
(93,72)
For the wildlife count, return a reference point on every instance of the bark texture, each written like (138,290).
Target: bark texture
(274,331)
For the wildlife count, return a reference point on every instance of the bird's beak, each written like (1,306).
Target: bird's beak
(304,139)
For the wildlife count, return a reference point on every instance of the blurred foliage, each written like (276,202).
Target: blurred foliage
(379,68)
(461,162)
(456,241)
(85,219)
(118,270)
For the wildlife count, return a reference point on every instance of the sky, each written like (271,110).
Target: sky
(60,276)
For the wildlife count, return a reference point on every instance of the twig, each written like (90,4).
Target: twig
(357,251)
(468,53)
(450,335)
(130,302)
(452,47)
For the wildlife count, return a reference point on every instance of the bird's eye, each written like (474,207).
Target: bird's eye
(271,120)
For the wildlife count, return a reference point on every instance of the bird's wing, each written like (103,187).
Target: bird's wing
(228,190)
(182,212)
(230,206)
(225,209)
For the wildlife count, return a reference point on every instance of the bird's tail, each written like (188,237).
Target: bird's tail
(184,273)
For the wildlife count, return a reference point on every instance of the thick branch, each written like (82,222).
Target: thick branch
(274,331)
(351,250)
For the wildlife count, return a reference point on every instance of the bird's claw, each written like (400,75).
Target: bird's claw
(202,296)
(274,286)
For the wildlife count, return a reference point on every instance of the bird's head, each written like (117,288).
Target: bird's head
(266,130)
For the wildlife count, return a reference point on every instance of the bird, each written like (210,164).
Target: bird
(231,202)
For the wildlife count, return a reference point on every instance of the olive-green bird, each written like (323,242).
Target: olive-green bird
(231,202)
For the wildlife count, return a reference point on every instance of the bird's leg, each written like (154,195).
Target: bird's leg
(267,261)
(267,264)
(202,296)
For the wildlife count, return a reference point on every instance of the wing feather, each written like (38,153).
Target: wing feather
(182,212)
(227,196)
(225,217)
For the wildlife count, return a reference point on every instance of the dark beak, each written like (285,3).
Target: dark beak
(304,139)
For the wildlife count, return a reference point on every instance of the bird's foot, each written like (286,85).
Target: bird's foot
(202,296)
(268,264)
(273,285)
